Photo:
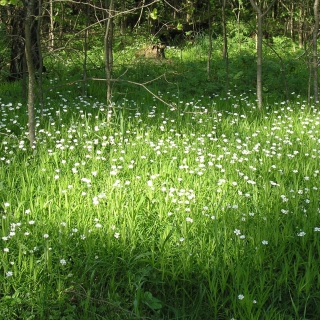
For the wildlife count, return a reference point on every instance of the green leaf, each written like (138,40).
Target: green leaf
(154,14)
(13,2)
(152,302)
(179,26)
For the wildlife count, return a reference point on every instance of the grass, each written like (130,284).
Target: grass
(206,210)
(197,212)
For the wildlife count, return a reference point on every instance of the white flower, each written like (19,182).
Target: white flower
(46,236)
(240,296)
(63,262)
(237,232)
(6,249)
(98,225)
(316,229)
(117,235)
(301,234)
(7,204)
(9,274)
(264,242)
(31,222)
(189,220)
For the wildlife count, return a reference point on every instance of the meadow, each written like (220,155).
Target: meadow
(208,209)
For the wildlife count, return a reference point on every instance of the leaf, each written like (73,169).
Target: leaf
(166,236)
(152,302)
(179,26)
(154,14)
(5,2)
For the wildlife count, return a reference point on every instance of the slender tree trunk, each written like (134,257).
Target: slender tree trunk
(292,26)
(123,20)
(24,80)
(51,27)
(39,49)
(85,49)
(15,29)
(259,60)
(61,23)
(210,42)
(301,28)
(225,44)
(29,6)
(189,5)
(315,50)
(308,61)
(108,51)
(260,16)
(239,25)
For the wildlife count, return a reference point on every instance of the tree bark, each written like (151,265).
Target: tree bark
(16,32)
(29,6)
(225,56)
(210,42)
(301,27)
(38,50)
(51,26)
(315,50)
(108,50)
(260,16)
(85,52)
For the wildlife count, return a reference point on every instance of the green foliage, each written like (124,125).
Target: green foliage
(207,210)
(154,14)
(12,2)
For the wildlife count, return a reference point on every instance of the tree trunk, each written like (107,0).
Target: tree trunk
(41,68)
(85,52)
(108,50)
(51,26)
(29,8)
(315,50)
(260,16)
(225,44)
(301,28)
(292,26)
(210,42)
(190,8)
(259,60)
(16,32)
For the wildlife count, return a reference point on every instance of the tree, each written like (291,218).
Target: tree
(315,50)
(108,49)
(23,30)
(29,9)
(225,44)
(260,15)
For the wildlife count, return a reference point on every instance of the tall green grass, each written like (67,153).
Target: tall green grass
(209,210)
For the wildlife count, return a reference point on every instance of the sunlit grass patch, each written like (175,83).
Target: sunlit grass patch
(206,210)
